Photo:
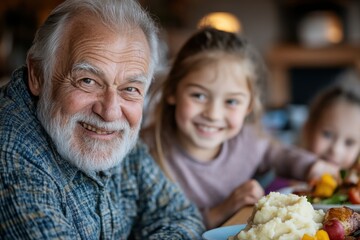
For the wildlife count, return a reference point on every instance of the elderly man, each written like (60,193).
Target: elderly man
(70,163)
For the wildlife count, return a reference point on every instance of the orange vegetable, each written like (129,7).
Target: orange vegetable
(326,186)
(307,237)
(320,235)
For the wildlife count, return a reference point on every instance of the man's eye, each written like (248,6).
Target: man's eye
(87,81)
(87,84)
(131,89)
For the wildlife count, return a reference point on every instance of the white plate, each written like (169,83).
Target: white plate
(222,233)
(355,207)
(287,190)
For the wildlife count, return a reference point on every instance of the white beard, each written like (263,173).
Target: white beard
(86,153)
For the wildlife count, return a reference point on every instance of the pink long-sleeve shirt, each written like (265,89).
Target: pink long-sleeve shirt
(208,184)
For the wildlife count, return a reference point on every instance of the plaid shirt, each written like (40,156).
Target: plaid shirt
(42,196)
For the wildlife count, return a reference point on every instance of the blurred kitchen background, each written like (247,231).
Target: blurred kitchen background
(306,43)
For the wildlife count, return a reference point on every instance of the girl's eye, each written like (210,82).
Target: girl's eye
(232,102)
(349,142)
(199,96)
(327,134)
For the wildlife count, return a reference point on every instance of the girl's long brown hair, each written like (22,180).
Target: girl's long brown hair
(205,46)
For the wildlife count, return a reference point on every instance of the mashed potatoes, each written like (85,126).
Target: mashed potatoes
(281,217)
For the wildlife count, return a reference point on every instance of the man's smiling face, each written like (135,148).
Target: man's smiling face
(97,92)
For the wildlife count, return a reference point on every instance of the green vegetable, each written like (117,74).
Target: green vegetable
(343,173)
(337,198)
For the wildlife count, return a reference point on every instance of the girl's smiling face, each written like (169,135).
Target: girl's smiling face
(210,106)
(336,137)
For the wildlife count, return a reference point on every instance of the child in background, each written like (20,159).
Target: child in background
(205,134)
(332,130)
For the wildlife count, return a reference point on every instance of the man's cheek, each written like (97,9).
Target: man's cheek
(133,115)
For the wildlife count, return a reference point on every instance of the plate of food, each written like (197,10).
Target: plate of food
(324,204)
(223,233)
(326,192)
(289,216)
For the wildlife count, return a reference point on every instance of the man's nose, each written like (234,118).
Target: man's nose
(109,106)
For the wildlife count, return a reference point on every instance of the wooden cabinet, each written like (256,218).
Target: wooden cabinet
(282,58)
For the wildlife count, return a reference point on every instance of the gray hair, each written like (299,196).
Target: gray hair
(113,13)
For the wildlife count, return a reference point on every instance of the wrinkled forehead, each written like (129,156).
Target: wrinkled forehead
(88,26)
(89,37)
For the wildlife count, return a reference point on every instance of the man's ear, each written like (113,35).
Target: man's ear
(35,78)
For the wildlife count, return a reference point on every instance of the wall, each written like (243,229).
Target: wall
(260,20)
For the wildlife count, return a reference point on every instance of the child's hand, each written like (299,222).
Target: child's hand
(246,194)
(321,167)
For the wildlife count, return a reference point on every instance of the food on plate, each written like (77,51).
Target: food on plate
(354,195)
(335,229)
(279,216)
(325,186)
(341,221)
(327,190)
(320,235)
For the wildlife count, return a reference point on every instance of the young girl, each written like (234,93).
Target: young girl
(199,137)
(332,130)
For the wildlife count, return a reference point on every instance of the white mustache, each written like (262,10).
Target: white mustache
(98,123)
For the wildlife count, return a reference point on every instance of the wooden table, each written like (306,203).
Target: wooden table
(240,217)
